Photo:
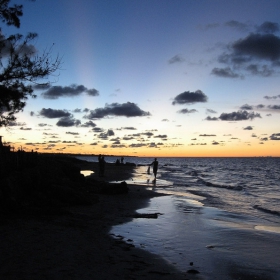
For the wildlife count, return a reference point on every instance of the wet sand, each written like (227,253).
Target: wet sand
(76,243)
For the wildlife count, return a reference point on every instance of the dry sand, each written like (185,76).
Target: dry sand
(76,244)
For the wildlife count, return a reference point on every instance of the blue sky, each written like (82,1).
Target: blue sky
(178,78)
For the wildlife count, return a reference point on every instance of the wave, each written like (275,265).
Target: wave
(269,211)
(209,184)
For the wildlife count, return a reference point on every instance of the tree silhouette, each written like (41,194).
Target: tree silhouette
(20,66)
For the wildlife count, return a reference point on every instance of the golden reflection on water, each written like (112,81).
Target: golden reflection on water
(86,172)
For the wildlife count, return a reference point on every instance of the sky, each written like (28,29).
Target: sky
(192,78)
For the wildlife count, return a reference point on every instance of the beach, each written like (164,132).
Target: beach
(74,242)
(106,229)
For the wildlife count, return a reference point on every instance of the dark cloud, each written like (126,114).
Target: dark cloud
(224,73)
(274,107)
(215,143)
(246,107)
(32,113)
(188,97)
(186,111)
(176,59)
(165,120)
(97,129)
(239,116)
(42,124)
(118,146)
(128,138)
(41,86)
(69,91)
(248,128)
(68,122)
(237,25)
(272,97)
(264,139)
(128,109)
(53,113)
(275,136)
(88,124)
(260,70)
(72,133)
(207,135)
(258,46)
(137,145)
(268,27)
(211,118)
(92,92)
(260,106)
(256,54)
(129,128)
(25,128)
(17,124)
(210,111)
(77,110)
(164,136)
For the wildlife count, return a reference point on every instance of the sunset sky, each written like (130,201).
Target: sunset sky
(154,78)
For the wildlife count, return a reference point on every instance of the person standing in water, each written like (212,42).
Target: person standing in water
(155,167)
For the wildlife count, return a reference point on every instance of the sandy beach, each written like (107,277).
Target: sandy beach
(74,243)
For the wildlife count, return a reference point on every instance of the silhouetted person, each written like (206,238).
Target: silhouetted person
(155,167)
(117,162)
(99,164)
(102,166)
(122,160)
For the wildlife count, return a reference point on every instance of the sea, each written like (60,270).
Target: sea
(218,211)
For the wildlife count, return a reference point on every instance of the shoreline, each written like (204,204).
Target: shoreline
(76,242)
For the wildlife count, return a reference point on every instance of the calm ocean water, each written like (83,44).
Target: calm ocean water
(222,215)
(248,186)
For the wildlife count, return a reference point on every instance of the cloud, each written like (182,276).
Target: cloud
(186,111)
(210,111)
(72,133)
(275,136)
(207,135)
(272,97)
(257,54)
(129,128)
(246,107)
(268,27)
(258,46)
(188,97)
(237,25)
(239,116)
(69,91)
(42,124)
(53,113)
(176,59)
(115,109)
(92,92)
(25,128)
(248,128)
(224,73)
(164,136)
(88,124)
(260,106)
(97,129)
(211,118)
(67,122)
(17,124)
(258,70)
(274,107)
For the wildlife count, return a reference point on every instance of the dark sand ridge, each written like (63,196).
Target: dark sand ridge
(75,244)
